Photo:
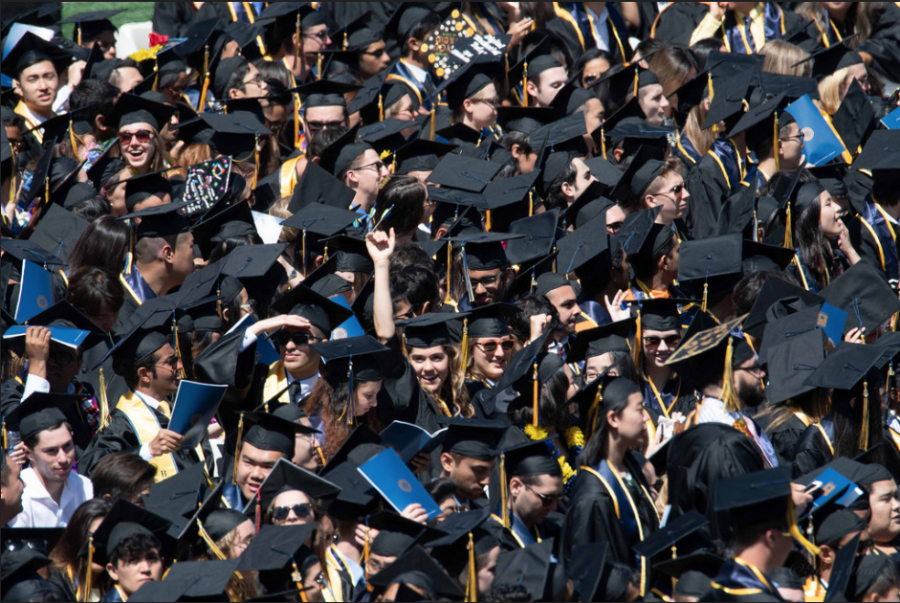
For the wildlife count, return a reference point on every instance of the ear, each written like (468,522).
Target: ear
(516,151)
(706,104)
(612,419)
(414,44)
(232,93)
(447,462)
(568,190)
(168,253)
(618,153)
(515,486)
(663,264)
(111,570)
(467,105)
(650,202)
(426,308)
(826,554)
(532,88)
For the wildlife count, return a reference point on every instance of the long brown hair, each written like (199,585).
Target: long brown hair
(693,128)
(64,555)
(814,404)
(453,389)
(330,398)
(859,15)
(673,66)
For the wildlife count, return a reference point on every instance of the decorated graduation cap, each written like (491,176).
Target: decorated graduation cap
(758,499)
(473,438)
(417,570)
(319,310)
(133,109)
(864,294)
(832,59)
(39,412)
(524,119)
(32,49)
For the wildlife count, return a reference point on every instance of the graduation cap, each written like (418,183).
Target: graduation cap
(32,49)
(681,536)
(159,221)
(864,294)
(405,18)
(133,109)
(464,173)
(355,353)
(317,222)
(39,412)
(764,122)
(350,253)
(268,432)
(452,550)
(833,58)
(524,119)
(831,177)
(538,238)
(642,237)
(144,187)
(212,230)
(418,570)
(90,24)
(59,231)
(18,570)
(319,186)
(855,117)
(321,312)
(838,525)
(286,477)
(565,135)
(357,35)
(509,200)
(569,99)
(324,93)
(791,363)
(398,534)
(473,438)
(588,243)
(324,282)
(39,189)
(467,81)
(201,580)
(179,497)
(385,136)
(728,101)
(531,567)
(711,264)
(306,11)
(601,340)
(419,156)
(357,498)
(360,439)
(692,92)
(760,257)
(340,155)
(65,127)
(257,267)
(123,521)
(432,329)
(278,548)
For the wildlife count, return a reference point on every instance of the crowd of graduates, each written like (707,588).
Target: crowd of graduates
(496,301)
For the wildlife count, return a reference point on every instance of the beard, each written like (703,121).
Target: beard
(751,396)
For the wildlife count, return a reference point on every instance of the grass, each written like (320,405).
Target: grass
(135,12)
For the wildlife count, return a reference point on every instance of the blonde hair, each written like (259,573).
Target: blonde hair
(279,209)
(192,155)
(238,589)
(701,139)
(830,90)
(782,57)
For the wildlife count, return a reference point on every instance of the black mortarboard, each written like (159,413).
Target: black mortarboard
(356,35)
(691,93)
(285,477)
(464,173)
(879,152)
(31,49)
(855,118)
(398,534)
(361,438)
(530,459)
(105,168)
(318,185)
(202,580)
(863,293)
(484,251)
(467,81)
(537,60)
(38,412)
(588,242)
(318,222)
(319,310)
(845,367)
(78,194)
(324,93)
(340,155)
(89,24)
(268,432)
(684,532)
(451,550)
(357,352)
(759,121)
(139,341)
(458,210)
(833,58)
(141,188)
(309,16)
(58,231)
(728,100)
(524,119)
(257,267)
(21,582)
(792,362)
(755,498)
(564,135)
(510,199)
(179,496)
(58,128)
(831,176)
(707,259)
(538,233)
(350,253)
(324,282)
(213,229)
(703,347)
(39,190)
(837,526)
(489,320)
(569,99)
(660,314)
(123,521)
(133,109)
(774,289)
(760,257)
(600,340)
(159,221)
(420,156)
(385,136)
(431,330)
(474,438)
(277,548)
(357,498)
(405,18)
(642,237)
(550,281)
(531,567)
(416,568)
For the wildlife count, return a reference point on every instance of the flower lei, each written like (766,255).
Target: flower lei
(574,439)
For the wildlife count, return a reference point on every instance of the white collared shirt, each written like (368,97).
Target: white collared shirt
(35,384)
(39,510)
(601,33)
(712,410)
(306,385)
(154,404)
(420,73)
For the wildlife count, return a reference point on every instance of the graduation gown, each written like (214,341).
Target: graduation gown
(710,188)
(814,449)
(677,21)
(784,437)
(874,235)
(11,392)
(883,44)
(593,517)
(740,581)
(575,26)
(121,436)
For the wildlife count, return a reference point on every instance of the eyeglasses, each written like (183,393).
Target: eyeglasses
(258,80)
(671,341)
(298,338)
(676,190)
(378,165)
(494,102)
(486,281)
(377,53)
(302,511)
(315,126)
(320,35)
(489,347)
(405,315)
(142,136)
(171,363)
(547,500)
(799,137)
(756,371)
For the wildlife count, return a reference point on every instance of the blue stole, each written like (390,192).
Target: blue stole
(595,312)
(522,533)
(425,89)
(883,232)
(139,285)
(736,33)
(687,149)
(727,154)
(232,495)
(113,595)
(737,579)
(583,21)
(806,276)
(481,10)
(628,521)
(668,394)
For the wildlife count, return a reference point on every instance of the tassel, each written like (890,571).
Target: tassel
(530,204)
(705,296)
(795,531)
(864,432)
(712,94)
(79,33)
(637,79)
(487,221)
(90,566)
(204,535)
(775,143)
(755,227)
(674,557)
(297,103)
(788,228)
(448,298)
(258,509)
(155,74)
(380,107)
(525,85)
(433,118)
(728,388)
(237,449)
(181,374)
(201,106)
(535,419)
(297,579)
(465,345)
(366,553)
(319,66)
(466,275)
(104,403)
(472,579)
(72,138)
(504,492)
(603,141)
(638,343)
(321,454)
(303,249)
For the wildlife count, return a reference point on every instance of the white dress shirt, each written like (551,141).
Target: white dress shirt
(39,510)
(712,410)
(601,33)
(154,404)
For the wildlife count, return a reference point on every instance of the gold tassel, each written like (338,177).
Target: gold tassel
(366,553)
(594,411)
(465,345)
(258,509)
(637,79)
(319,66)
(504,492)
(297,579)
(237,449)
(201,105)
(775,143)
(788,228)
(603,141)
(104,403)
(472,578)
(674,557)
(530,204)
(297,144)
(380,107)
(638,343)
(487,221)
(79,33)
(864,432)
(433,119)
(448,298)
(705,296)
(525,84)
(795,531)
(712,95)
(72,138)
(728,396)
(303,249)
(90,567)
(535,419)
(204,535)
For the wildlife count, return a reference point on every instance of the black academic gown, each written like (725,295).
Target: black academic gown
(592,515)
(677,21)
(709,191)
(892,452)
(11,392)
(884,43)
(811,452)
(784,437)
(739,582)
(120,436)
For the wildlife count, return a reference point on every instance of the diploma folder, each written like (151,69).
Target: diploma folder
(408,440)
(396,483)
(195,405)
(66,336)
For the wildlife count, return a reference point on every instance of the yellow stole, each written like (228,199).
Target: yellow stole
(333,565)
(276,381)
(29,123)
(146,426)
(289,176)
(814,590)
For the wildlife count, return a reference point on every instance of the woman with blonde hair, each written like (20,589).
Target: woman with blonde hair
(230,533)
(836,68)
(690,104)
(785,58)
(673,65)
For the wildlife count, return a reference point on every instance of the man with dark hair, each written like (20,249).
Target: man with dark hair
(53,491)
(123,475)
(535,488)
(411,25)
(35,66)
(93,100)
(468,457)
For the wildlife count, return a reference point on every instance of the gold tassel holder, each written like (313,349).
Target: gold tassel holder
(504,492)
(728,395)
(536,418)
(472,578)
(864,430)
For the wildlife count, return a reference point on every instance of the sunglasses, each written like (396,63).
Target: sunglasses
(302,511)
(322,35)
(298,338)
(671,341)
(489,347)
(546,500)
(142,136)
(322,125)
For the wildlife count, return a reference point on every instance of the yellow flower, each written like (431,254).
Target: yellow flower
(574,437)
(536,433)
(145,54)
